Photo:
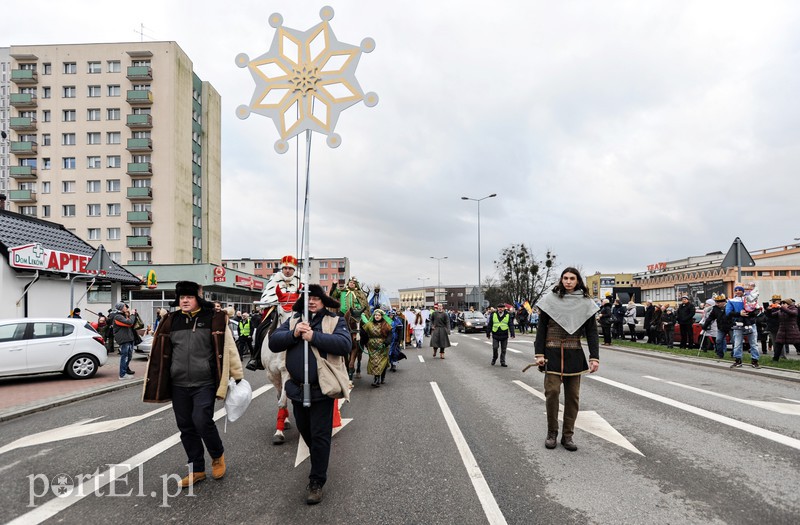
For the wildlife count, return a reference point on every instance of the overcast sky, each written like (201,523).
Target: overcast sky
(616,134)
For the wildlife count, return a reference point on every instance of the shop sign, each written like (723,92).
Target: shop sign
(656,266)
(36,257)
(219,274)
(248,282)
(152,280)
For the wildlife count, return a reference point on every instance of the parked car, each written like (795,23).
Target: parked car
(145,346)
(34,346)
(639,327)
(471,322)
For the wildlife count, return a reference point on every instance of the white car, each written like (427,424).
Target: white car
(34,346)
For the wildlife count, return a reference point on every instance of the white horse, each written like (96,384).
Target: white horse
(275,365)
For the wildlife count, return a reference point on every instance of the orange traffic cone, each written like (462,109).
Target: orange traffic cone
(337,417)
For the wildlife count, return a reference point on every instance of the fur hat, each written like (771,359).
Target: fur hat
(187,288)
(788,301)
(315,290)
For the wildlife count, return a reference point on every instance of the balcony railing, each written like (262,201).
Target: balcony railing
(140,194)
(140,73)
(24,76)
(23,123)
(140,169)
(140,145)
(22,195)
(140,216)
(24,148)
(23,100)
(136,262)
(22,172)
(140,97)
(140,241)
(140,121)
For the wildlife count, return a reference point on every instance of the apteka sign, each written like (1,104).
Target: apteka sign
(36,257)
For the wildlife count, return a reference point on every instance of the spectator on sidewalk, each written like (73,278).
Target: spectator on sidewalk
(720,318)
(743,326)
(656,326)
(685,318)
(788,331)
(630,318)
(122,322)
(668,319)
(606,320)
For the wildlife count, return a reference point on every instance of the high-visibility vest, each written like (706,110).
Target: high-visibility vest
(498,324)
(244,328)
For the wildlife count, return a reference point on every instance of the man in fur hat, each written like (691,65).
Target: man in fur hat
(328,333)
(192,359)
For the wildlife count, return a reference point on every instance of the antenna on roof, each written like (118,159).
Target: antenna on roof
(141,32)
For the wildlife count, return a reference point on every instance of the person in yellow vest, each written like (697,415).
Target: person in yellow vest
(245,342)
(499,328)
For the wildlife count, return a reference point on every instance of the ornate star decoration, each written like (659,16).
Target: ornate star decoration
(305,80)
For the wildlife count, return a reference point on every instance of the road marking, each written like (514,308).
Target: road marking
(747,427)
(92,485)
(792,400)
(489,504)
(589,421)
(421,360)
(454,344)
(781,408)
(302,449)
(514,350)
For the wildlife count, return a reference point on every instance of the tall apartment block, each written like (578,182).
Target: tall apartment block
(120,143)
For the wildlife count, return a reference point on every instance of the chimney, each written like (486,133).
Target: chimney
(2,201)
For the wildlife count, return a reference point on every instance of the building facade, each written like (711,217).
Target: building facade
(455,297)
(120,143)
(5,114)
(323,270)
(601,285)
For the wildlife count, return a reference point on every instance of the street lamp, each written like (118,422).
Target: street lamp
(424,295)
(438,273)
(480,289)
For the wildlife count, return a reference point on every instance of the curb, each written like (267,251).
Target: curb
(764,371)
(64,400)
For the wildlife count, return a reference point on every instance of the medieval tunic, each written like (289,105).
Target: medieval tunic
(379,336)
(440,330)
(563,352)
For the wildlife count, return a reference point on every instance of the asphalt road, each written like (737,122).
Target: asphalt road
(444,441)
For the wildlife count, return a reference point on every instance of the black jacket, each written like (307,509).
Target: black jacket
(500,334)
(723,321)
(685,314)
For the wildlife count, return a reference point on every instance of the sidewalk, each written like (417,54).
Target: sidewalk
(22,395)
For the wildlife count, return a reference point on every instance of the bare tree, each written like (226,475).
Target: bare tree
(523,276)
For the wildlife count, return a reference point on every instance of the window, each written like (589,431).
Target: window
(69,92)
(112,185)
(46,92)
(141,256)
(67,139)
(795,273)
(93,163)
(323,264)
(114,66)
(113,90)
(259,265)
(93,234)
(93,137)
(781,273)
(46,115)
(113,234)
(763,274)
(142,206)
(141,87)
(113,114)
(45,186)
(113,210)
(113,137)
(323,277)
(93,68)
(114,161)
(68,115)
(92,210)
(140,232)
(45,139)
(93,114)
(70,68)
(30,211)
(67,186)
(68,163)
(94,91)
(47,68)
(46,163)
(46,210)
(115,256)
(141,183)
(67,210)
(92,186)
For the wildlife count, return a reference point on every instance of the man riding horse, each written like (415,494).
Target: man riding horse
(354,307)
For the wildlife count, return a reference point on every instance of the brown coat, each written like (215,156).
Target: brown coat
(788,332)
(157,382)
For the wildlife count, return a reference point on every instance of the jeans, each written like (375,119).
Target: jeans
(194,413)
(721,344)
(125,355)
(738,340)
(315,424)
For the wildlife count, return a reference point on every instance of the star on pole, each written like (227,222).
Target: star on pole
(305,80)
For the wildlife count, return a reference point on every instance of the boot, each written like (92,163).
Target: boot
(434,352)
(218,467)
(377,381)
(550,442)
(441,354)
(192,478)
(568,443)
(737,363)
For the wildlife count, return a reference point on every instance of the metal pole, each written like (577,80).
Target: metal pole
(480,288)
(306,264)
(739,261)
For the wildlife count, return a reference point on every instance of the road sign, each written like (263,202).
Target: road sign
(737,256)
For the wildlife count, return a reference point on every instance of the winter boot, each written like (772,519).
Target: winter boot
(550,442)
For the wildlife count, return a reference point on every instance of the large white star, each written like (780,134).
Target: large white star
(305,80)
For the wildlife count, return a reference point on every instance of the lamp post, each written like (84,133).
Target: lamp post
(480,289)
(424,295)
(438,273)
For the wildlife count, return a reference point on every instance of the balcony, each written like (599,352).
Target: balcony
(140,145)
(140,217)
(140,194)
(139,263)
(140,73)
(140,97)
(23,124)
(22,172)
(140,241)
(24,149)
(24,76)
(140,169)
(23,100)
(22,196)
(140,121)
